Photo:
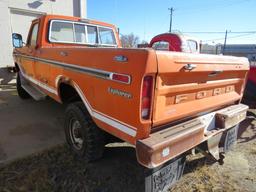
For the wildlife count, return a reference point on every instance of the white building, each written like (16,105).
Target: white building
(16,16)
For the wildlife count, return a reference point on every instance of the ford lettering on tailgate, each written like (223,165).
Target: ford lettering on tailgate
(203,94)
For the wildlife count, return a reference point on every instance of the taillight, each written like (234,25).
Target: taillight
(146,97)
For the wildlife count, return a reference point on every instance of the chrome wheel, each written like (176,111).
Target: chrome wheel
(85,139)
(75,131)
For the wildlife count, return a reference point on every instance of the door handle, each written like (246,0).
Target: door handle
(214,73)
(189,67)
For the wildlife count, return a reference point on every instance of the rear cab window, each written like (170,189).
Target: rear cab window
(81,33)
(62,32)
(92,35)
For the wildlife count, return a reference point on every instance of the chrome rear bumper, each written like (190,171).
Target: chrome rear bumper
(169,143)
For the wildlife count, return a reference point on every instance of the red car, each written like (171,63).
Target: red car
(251,83)
(175,42)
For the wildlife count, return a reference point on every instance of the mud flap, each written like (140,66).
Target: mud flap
(222,142)
(229,139)
(162,178)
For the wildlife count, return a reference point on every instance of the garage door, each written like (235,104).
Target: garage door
(21,20)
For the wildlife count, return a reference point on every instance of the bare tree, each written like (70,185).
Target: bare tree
(129,40)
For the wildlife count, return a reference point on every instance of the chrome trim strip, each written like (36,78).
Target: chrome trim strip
(129,130)
(104,118)
(39,83)
(87,70)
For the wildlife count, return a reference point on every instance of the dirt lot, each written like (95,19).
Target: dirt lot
(56,169)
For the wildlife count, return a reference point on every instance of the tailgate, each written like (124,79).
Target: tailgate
(191,84)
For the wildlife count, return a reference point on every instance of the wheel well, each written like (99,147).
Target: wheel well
(68,93)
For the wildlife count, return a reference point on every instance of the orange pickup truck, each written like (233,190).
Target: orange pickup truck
(164,103)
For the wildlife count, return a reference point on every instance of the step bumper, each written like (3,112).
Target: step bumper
(171,142)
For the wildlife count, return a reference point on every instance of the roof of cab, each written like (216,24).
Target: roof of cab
(77,19)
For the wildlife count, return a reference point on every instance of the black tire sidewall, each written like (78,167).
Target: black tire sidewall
(73,111)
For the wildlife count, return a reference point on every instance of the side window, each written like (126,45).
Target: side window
(92,34)
(62,32)
(192,46)
(161,45)
(80,34)
(107,36)
(33,36)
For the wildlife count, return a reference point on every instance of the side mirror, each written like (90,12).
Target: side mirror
(17,40)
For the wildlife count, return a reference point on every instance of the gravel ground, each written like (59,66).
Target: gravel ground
(57,169)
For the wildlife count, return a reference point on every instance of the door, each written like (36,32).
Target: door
(28,63)
(42,70)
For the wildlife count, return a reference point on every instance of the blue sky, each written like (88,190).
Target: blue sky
(147,18)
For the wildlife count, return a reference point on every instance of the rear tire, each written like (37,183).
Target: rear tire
(21,92)
(83,136)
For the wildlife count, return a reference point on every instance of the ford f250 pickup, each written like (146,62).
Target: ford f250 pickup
(164,103)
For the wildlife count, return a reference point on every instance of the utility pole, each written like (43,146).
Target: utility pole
(171,12)
(225,42)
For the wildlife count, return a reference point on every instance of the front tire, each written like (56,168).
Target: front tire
(83,136)
(21,92)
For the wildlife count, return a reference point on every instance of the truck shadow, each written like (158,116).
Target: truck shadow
(58,170)
(249,97)
(117,171)
(247,129)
